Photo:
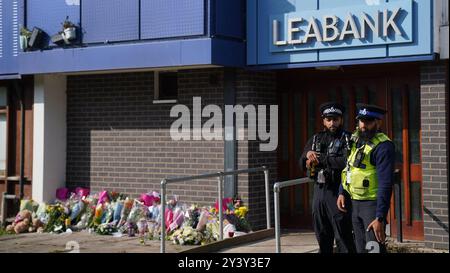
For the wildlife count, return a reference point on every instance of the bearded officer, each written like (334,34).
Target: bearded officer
(324,158)
(368,180)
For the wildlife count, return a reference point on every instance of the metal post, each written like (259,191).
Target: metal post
(219,184)
(276,190)
(163,216)
(266,179)
(398,205)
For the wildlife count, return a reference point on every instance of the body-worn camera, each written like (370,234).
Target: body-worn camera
(334,147)
(359,159)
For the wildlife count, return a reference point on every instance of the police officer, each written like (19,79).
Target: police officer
(324,157)
(368,179)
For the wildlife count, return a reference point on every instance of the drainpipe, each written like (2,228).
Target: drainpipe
(448,141)
(20,94)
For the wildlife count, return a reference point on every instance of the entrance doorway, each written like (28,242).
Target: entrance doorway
(393,87)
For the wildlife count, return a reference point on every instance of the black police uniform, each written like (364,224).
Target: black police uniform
(329,222)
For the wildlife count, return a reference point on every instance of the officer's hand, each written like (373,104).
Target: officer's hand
(378,229)
(308,164)
(313,157)
(341,203)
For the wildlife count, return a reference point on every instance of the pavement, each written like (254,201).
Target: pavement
(84,242)
(80,242)
(291,242)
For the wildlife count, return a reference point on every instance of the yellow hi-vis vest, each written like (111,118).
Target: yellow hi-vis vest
(362,182)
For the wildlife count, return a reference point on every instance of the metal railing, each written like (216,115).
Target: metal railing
(220,177)
(276,191)
(398,204)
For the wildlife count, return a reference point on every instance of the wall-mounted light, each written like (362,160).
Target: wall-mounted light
(37,38)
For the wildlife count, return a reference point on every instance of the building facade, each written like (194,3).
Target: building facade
(96,110)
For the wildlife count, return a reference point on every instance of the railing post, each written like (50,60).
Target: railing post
(163,216)
(276,202)
(219,184)
(266,180)
(398,205)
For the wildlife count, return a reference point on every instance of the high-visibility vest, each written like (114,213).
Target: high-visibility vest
(362,182)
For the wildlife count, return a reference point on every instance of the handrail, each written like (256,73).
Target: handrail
(398,204)
(276,189)
(220,177)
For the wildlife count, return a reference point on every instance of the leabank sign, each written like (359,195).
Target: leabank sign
(388,23)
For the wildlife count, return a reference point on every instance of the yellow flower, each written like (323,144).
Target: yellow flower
(243,211)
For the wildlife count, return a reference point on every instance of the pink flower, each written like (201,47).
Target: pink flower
(225,203)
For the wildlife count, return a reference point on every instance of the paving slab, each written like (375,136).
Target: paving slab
(82,242)
(291,242)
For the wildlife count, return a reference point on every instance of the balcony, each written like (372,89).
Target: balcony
(121,35)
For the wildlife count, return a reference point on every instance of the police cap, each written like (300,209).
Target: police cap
(331,109)
(369,111)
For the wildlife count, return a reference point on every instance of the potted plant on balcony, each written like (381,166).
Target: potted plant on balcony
(67,34)
(69,30)
(25,35)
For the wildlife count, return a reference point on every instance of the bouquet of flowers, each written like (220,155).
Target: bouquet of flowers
(202,220)
(127,205)
(178,218)
(108,214)
(137,211)
(193,215)
(76,210)
(56,218)
(211,233)
(98,214)
(118,206)
(227,204)
(186,236)
(106,229)
(154,230)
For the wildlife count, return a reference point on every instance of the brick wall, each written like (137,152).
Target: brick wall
(257,88)
(434,125)
(119,140)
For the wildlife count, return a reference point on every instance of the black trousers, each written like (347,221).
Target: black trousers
(329,222)
(363,213)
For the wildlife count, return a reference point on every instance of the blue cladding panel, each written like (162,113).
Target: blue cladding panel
(172,18)
(228,53)
(252,32)
(49,15)
(11,17)
(230,18)
(119,56)
(110,20)
(265,9)
(350,53)
(422,32)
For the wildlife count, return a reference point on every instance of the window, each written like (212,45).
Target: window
(3,129)
(166,87)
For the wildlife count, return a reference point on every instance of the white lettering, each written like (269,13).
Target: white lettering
(292,30)
(316,31)
(350,21)
(275,26)
(331,26)
(366,21)
(389,22)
